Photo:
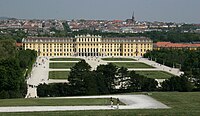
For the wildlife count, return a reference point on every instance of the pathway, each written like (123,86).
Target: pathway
(94,62)
(38,75)
(131,101)
(174,71)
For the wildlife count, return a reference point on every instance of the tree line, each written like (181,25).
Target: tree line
(12,34)
(107,79)
(185,59)
(14,67)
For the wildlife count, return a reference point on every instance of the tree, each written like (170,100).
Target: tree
(4,94)
(26,58)
(91,84)
(109,73)
(101,83)
(176,83)
(43,90)
(53,90)
(7,49)
(122,77)
(13,64)
(149,84)
(77,77)
(11,78)
(141,83)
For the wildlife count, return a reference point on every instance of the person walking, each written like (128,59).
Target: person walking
(111,102)
(117,103)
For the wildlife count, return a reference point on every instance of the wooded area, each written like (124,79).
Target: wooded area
(187,60)
(14,67)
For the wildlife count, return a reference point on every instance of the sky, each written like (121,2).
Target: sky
(179,11)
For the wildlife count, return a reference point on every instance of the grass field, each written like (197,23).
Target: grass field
(55,102)
(181,103)
(155,74)
(132,64)
(58,74)
(118,59)
(61,65)
(65,59)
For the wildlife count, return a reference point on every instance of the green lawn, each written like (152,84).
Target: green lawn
(181,103)
(55,102)
(132,65)
(61,65)
(65,59)
(58,74)
(155,74)
(118,59)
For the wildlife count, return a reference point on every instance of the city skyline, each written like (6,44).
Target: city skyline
(153,10)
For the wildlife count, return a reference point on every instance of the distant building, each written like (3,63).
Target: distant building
(169,45)
(132,20)
(89,45)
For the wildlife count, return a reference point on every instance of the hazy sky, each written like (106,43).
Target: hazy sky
(145,10)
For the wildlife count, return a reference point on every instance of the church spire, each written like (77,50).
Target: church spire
(133,17)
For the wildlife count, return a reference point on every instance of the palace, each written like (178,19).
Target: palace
(88,45)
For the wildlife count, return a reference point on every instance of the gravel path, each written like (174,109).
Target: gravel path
(131,101)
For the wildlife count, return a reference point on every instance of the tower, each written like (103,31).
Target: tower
(133,17)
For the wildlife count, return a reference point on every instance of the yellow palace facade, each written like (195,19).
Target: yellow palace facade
(88,45)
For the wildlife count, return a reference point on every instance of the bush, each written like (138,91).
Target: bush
(4,94)
(176,83)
